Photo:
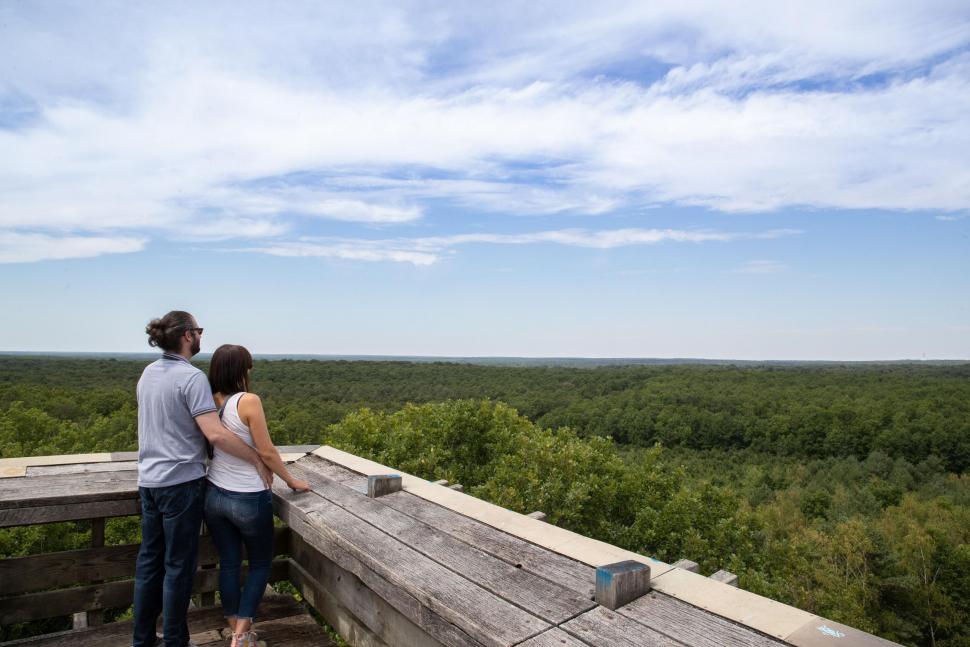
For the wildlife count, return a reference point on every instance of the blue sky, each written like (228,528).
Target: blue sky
(688,179)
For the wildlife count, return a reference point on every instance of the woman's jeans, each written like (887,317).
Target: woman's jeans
(170,521)
(234,519)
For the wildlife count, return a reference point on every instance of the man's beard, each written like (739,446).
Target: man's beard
(196,346)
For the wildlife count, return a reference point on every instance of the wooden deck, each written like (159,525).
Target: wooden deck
(282,623)
(424,566)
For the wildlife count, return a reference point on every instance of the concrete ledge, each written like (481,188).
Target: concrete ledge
(13,467)
(559,540)
(761,613)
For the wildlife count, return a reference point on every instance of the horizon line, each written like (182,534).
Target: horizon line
(498,358)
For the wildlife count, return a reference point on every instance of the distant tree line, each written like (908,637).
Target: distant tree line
(905,411)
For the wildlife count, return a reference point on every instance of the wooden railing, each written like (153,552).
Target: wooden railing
(422,566)
(84,583)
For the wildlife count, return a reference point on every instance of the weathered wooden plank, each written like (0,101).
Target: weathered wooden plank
(81,468)
(540,561)
(412,609)
(359,614)
(69,512)
(604,628)
(50,604)
(484,617)
(85,566)
(540,597)
(690,625)
(323,599)
(67,489)
(554,638)
(271,608)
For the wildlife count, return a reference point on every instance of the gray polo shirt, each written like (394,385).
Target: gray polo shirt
(171,447)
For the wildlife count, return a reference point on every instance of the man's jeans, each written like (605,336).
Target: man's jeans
(170,521)
(234,519)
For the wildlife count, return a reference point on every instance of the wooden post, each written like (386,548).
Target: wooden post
(687,565)
(620,583)
(727,578)
(379,485)
(541,516)
(94,617)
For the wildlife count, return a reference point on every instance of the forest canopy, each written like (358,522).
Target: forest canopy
(838,489)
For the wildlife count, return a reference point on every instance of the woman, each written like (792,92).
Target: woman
(238,507)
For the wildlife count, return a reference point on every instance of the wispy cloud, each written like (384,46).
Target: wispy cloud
(29,248)
(761,267)
(425,251)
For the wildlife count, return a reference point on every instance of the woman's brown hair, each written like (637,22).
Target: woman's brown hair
(229,369)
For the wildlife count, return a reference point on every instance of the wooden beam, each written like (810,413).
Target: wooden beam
(507,547)
(28,516)
(620,583)
(542,598)
(344,600)
(19,575)
(95,617)
(51,604)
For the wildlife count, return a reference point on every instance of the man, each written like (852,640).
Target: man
(176,415)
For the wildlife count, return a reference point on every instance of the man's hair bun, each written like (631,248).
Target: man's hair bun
(164,333)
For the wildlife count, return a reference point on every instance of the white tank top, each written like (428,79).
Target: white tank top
(227,471)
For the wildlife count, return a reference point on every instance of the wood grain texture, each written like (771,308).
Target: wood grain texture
(350,593)
(604,628)
(63,489)
(690,625)
(27,516)
(410,607)
(531,558)
(540,597)
(81,468)
(554,638)
(70,568)
(281,620)
(50,604)
(323,601)
(485,617)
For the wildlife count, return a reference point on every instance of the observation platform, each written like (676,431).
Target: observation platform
(389,561)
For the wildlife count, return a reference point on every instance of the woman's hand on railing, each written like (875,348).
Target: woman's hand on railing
(298,486)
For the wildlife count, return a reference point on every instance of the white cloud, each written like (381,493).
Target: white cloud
(197,121)
(762,267)
(28,248)
(427,250)
(353,250)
